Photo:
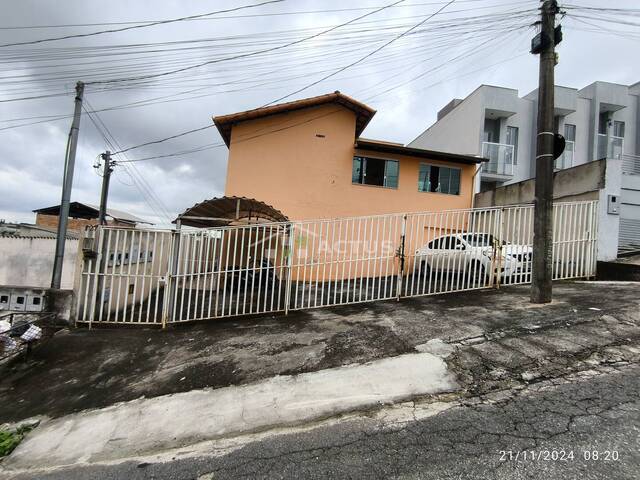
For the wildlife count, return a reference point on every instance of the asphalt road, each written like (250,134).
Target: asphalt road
(545,431)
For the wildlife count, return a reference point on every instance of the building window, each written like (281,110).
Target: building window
(603,123)
(491,130)
(375,171)
(512,139)
(433,178)
(569,132)
(618,129)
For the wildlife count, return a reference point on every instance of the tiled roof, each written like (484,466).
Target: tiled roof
(363,112)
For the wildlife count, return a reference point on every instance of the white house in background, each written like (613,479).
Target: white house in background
(598,121)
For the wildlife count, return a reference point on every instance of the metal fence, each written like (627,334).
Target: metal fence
(134,276)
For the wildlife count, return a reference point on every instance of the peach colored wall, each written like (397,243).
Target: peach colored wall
(282,161)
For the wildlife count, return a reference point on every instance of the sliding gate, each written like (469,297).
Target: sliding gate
(132,276)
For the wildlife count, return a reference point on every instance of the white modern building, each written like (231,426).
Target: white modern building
(598,121)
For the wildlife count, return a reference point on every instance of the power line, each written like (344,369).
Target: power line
(448,29)
(361,59)
(141,184)
(244,55)
(36,97)
(282,46)
(165,139)
(144,22)
(333,73)
(271,131)
(145,197)
(445,43)
(159,22)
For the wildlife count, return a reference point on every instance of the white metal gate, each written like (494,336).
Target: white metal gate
(134,276)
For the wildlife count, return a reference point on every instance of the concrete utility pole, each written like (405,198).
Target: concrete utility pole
(106,177)
(541,289)
(67,183)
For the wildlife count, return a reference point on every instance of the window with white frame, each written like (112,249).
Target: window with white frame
(569,132)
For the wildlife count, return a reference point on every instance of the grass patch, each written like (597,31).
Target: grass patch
(11,439)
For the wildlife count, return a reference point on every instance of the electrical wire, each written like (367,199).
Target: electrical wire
(152,200)
(151,24)
(244,55)
(361,59)
(142,22)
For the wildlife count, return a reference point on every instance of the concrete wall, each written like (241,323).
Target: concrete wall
(29,262)
(459,131)
(301,163)
(590,181)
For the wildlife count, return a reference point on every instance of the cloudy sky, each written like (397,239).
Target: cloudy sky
(251,57)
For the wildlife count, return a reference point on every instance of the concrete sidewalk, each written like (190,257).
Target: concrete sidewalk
(80,369)
(152,425)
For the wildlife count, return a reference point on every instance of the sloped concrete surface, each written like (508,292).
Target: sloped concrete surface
(172,421)
(81,369)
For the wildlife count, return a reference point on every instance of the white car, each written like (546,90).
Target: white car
(473,254)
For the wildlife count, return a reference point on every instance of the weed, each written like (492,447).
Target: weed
(9,440)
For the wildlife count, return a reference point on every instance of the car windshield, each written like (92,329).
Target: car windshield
(479,239)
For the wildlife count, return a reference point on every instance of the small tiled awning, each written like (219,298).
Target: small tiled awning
(223,211)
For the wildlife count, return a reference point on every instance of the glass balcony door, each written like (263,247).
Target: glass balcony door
(500,157)
(609,146)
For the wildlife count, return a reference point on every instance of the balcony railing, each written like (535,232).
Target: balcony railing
(566,159)
(501,156)
(609,146)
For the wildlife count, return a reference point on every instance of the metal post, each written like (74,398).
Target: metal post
(497,252)
(106,177)
(543,202)
(287,292)
(100,265)
(171,283)
(67,182)
(401,257)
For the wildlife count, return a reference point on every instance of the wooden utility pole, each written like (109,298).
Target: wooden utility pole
(106,177)
(67,183)
(541,290)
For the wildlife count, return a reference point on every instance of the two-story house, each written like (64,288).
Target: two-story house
(599,121)
(306,158)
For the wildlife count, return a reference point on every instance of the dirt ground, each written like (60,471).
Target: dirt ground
(494,331)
